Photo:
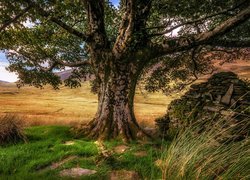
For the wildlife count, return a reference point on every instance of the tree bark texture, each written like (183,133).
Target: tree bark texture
(115,114)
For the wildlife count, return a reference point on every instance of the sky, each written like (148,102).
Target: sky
(12,77)
(115,2)
(4,74)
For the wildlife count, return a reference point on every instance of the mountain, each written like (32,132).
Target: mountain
(4,82)
(64,74)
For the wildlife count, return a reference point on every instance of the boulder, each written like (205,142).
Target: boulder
(76,172)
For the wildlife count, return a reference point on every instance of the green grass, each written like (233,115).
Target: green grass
(188,156)
(46,146)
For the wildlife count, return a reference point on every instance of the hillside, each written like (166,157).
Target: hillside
(69,106)
(3,82)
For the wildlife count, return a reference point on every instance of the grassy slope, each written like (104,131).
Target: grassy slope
(46,145)
(67,106)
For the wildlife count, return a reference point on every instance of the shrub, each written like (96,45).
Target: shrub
(203,156)
(11,129)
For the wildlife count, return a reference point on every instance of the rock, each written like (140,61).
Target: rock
(124,175)
(120,149)
(76,172)
(226,99)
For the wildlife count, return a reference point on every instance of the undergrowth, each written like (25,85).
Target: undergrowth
(11,129)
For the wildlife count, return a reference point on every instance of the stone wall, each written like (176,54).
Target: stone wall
(224,95)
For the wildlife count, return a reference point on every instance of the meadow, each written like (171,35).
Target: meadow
(69,106)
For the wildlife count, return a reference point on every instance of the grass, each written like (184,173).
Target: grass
(205,156)
(186,157)
(69,106)
(46,145)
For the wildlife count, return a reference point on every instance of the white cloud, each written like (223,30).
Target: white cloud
(6,75)
(28,24)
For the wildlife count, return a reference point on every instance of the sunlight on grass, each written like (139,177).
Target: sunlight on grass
(69,106)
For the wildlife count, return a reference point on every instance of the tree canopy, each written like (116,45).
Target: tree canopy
(59,32)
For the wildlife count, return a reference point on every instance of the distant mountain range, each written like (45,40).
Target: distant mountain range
(64,74)
(240,67)
(4,82)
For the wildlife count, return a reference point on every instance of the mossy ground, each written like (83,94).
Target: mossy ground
(46,145)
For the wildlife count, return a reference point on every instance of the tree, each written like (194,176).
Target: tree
(115,44)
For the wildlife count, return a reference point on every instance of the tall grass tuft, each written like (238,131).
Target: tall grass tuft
(11,129)
(215,153)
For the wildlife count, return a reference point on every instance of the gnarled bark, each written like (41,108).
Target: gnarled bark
(115,115)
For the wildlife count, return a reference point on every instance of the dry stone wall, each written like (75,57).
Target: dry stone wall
(224,95)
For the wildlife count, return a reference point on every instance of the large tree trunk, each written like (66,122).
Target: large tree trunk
(115,115)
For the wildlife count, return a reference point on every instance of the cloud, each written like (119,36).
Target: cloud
(4,64)
(6,75)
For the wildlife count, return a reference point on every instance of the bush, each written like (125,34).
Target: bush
(11,129)
(203,156)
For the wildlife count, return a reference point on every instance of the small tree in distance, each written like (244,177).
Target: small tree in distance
(117,45)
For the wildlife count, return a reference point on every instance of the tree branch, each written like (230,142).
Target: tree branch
(46,14)
(132,28)
(207,38)
(193,21)
(74,64)
(13,20)
(95,14)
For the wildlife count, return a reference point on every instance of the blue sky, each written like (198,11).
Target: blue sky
(115,2)
(12,77)
(2,57)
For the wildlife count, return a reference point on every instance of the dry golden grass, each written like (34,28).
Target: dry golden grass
(69,106)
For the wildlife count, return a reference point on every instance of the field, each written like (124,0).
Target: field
(68,106)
